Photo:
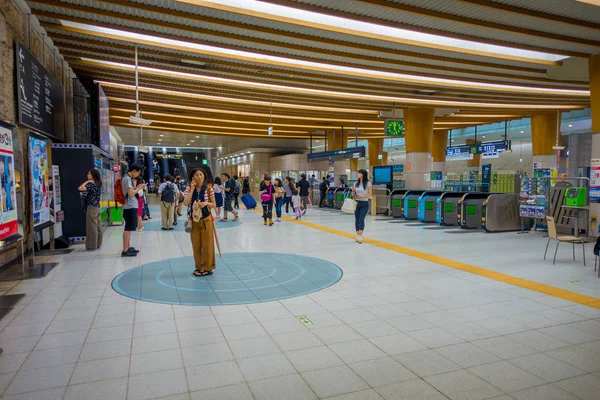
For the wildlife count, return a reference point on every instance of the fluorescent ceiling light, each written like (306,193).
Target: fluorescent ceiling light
(350,71)
(344,95)
(360,28)
(238,113)
(298,63)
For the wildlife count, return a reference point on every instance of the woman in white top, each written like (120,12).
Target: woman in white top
(362,190)
(219,192)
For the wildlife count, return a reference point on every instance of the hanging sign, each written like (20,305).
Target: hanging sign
(9,225)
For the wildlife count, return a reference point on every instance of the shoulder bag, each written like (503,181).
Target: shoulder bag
(349,205)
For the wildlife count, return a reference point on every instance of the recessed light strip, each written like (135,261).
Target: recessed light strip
(262,124)
(301,64)
(397,100)
(219,111)
(350,71)
(335,24)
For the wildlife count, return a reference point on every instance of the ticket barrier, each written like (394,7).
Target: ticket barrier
(470,210)
(426,205)
(397,203)
(411,202)
(339,195)
(501,213)
(330,198)
(447,208)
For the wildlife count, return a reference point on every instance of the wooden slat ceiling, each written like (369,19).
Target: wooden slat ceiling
(232,95)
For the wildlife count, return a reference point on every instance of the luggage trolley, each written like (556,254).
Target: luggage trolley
(447,208)
(396,203)
(426,205)
(411,201)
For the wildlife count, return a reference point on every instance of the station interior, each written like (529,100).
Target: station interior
(475,122)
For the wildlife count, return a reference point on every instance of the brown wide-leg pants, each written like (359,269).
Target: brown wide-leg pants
(203,244)
(93,228)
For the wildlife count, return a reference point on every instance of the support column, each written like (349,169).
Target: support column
(544,130)
(375,150)
(594,66)
(418,128)
(439,142)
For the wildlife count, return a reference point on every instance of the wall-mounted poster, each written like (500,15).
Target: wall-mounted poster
(38,162)
(8,195)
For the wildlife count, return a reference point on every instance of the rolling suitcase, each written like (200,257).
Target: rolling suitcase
(249,201)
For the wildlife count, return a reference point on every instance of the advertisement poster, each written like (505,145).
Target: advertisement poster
(38,162)
(8,195)
(595,180)
(56,185)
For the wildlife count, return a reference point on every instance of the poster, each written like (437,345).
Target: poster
(56,185)
(8,194)
(38,162)
(595,180)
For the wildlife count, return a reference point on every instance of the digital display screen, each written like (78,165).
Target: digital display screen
(412,204)
(382,175)
(448,207)
(429,205)
(397,202)
(471,209)
(394,127)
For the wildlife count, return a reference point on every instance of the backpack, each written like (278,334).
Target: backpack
(168,194)
(237,187)
(119,196)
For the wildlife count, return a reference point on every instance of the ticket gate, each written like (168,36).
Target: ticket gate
(447,208)
(339,195)
(470,210)
(501,213)
(397,203)
(426,205)
(411,202)
(330,198)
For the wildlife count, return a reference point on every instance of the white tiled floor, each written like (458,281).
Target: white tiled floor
(394,327)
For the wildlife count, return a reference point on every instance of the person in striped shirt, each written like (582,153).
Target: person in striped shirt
(199,197)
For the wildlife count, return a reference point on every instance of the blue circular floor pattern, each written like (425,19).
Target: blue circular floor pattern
(240,278)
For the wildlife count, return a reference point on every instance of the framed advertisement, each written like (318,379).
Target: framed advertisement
(9,224)
(40,193)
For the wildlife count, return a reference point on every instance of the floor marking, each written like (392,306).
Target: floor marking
(497,276)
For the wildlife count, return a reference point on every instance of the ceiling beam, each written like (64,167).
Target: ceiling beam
(532,13)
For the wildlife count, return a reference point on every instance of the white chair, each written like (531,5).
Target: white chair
(552,235)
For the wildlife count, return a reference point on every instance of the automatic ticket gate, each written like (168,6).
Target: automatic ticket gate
(501,213)
(339,195)
(470,210)
(397,203)
(447,208)
(426,205)
(411,202)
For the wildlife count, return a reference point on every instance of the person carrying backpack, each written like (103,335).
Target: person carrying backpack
(236,192)
(168,192)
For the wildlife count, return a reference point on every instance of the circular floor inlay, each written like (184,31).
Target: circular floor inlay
(240,278)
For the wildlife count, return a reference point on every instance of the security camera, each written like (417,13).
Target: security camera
(380,115)
(137,120)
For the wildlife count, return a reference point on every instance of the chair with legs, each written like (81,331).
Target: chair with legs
(552,235)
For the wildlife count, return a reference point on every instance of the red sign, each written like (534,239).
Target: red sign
(408,166)
(8,194)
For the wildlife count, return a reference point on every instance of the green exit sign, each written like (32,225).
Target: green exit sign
(394,127)
(204,162)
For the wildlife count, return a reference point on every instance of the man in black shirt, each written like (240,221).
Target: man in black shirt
(304,191)
(229,186)
(323,188)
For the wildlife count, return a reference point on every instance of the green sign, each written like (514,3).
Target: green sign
(304,320)
(573,282)
(394,127)
(204,162)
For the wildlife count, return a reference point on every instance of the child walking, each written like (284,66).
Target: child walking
(267,196)
(297,203)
